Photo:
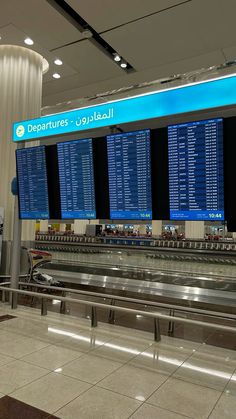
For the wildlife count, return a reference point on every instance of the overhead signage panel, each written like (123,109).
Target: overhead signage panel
(203,95)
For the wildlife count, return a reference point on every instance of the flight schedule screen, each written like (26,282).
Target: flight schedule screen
(129,173)
(76,178)
(32,182)
(196,180)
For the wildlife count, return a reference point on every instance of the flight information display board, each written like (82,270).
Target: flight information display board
(196,179)
(32,183)
(76,179)
(129,172)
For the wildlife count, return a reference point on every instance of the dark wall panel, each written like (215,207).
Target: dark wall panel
(53,182)
(101,178)
(160,176)
(230,172)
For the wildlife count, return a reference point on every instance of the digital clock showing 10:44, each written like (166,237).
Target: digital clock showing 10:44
(217,215)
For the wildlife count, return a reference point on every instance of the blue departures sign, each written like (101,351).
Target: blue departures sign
(202,95)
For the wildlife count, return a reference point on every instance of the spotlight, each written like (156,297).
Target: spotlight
(58,62)
(28,41)
(117,58)
(123,64)
(87,33)
(56,76)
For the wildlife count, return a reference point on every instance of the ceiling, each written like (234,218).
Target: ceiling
(158,38)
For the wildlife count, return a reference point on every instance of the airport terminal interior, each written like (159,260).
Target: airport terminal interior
(117,209)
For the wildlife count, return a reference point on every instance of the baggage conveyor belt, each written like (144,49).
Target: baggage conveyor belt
(168,253)
(184,289)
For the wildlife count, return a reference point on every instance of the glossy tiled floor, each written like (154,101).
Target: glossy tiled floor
(56,366)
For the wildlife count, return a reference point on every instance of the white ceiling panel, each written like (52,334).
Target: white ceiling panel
(76,87)
(186,31)
(40,21)
(105,14)
(89,61)
(230,53)
(13,36)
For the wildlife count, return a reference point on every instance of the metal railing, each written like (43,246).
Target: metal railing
(94,305)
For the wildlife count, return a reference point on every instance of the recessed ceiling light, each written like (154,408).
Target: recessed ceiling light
(58,62)
(117,58)
(56,76)
(87,33)
(29,41)
(123,64)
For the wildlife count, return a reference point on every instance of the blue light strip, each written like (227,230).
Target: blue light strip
(203,95)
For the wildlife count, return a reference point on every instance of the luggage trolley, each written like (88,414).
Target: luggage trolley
(36,259)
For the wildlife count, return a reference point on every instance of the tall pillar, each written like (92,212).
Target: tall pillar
(156,227)
(62,227)
(142,229)
(80,226)
(21,73)
(194,230)
(43,226)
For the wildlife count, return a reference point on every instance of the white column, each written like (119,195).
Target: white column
(142,229)
(156,227)
(194,230)
(62,227)
(93,222)
(80,226)
(43,226)
(21,73)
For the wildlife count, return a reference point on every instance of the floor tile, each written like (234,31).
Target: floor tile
(5,359)
(162,359)
(187,346)
(133,382)
(98,403)
(14,409)
(52,357)
(84,341)
(218,352)
(90,368)
(147,411)
(204,370)
(8,336)
(20,347)
(231,386)
(185,398)
(51,392)
(23,326)
(225,408)
(33,329)
(17,374)
(121,349)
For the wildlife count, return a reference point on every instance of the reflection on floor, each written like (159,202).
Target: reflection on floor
(142,323)
(58,365)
